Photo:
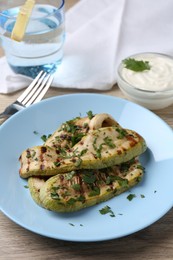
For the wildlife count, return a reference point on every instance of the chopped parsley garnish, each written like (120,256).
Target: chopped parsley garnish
(71,201)
(57,164)
(124,166)
(97,149)
(54,194)
(33,153)
(140,167)
(109,142)
(95,191)
(136,65)
(78,162)
(122,182)
(81,198)
(131,196)
(139,179)
(30,154)
(107,210)
(142,196)
(45,137)
(76,187)
(70,175)
(122,133)
(83,152)
(78,155)
(71,224)
(26,186)
(90,114)
(76,138)
(89,178)
(70,127)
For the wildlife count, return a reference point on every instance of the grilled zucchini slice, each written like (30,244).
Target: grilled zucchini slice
(101,148)
(71,132)
(74,191)
(35,184)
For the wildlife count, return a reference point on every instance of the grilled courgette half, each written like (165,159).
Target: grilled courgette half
(35,184)
(101,148)
(71,132)
(76,190)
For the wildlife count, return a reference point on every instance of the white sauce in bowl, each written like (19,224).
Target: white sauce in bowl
(158,78)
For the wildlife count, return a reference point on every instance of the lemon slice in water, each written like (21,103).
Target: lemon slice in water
(22,20)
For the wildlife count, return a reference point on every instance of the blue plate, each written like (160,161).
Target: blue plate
(153,196)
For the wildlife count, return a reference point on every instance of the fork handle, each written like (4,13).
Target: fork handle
(5,116)
(9,111)
(2,120)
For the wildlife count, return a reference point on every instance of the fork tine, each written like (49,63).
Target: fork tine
(25,93)
(34,93)
(33,90)
(41,91)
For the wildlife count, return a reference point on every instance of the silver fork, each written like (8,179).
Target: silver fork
(33,94)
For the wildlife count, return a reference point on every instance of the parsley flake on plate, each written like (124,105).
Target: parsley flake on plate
(131,196)
(107,210)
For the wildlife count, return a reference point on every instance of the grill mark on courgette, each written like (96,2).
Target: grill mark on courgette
(43,150)
(28,155)
(80,182)
(132,140)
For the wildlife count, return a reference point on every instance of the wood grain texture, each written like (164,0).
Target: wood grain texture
(152,243)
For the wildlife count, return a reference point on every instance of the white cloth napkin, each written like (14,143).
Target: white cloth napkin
(100,34)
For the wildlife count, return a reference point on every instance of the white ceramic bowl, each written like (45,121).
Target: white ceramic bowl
(152,99)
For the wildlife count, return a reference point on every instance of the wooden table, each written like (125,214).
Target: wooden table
(154,242)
